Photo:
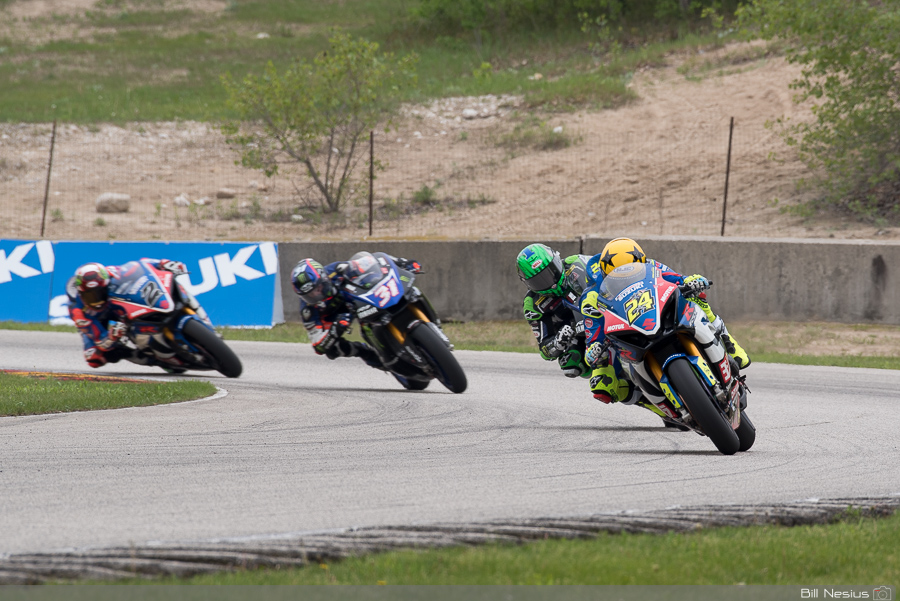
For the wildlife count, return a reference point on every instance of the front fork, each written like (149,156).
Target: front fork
(392,346)
(712,364)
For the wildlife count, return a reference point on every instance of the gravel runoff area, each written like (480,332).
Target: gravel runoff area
(185,559)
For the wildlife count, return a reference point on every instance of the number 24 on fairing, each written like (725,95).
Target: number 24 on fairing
(638,304)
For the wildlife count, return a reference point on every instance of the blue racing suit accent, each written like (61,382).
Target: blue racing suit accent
(92,324)
(100,347)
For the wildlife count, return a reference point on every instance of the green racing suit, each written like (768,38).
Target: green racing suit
(557,322)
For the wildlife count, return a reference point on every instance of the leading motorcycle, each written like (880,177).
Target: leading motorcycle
(163,322)
(669,350)
(399,323)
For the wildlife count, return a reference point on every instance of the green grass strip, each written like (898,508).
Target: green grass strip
(25,395)
(516,337)
(829,360)
(853,552)
(35,327)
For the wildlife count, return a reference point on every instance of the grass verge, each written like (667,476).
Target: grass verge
(26,395)
(830,344)
(119,63)
(35,327)
(854,551)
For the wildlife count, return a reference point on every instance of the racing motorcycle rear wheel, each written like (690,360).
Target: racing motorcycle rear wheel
(446,368)
(220,355)
(702,407)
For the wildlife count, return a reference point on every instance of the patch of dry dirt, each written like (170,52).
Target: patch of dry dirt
(656,166)
(42,21)
(34,9)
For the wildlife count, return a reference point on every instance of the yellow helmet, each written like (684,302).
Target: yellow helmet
(620,251)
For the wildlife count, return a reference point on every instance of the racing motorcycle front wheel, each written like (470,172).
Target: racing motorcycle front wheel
(219,354)
(446,368)
(702,407)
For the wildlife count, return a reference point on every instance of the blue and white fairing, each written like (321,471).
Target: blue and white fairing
(140,289)
(375,280)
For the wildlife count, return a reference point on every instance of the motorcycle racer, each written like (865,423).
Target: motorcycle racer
(326,314)
(102,336)
(607,382)
(551,305)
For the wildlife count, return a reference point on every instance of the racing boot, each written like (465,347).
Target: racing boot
(119,352)
(362,350)
(607,387)
(731,345)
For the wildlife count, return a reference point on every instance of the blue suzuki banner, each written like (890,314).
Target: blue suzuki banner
(237,283)
(26,271)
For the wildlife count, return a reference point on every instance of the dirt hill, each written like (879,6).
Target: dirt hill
(458,168)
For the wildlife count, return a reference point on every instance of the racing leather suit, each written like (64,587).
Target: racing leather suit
(327,321)
(100,340)
(548,314)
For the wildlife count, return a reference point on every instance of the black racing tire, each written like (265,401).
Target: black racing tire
(221,356)
(446,367)
(412,383)
(701,405)
(746,432)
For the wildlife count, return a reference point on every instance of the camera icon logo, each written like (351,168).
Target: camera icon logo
(883,593)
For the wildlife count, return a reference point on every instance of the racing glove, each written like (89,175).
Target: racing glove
(597,353)
(176,267)
(409,265)
(327,341)
(338,328)
(116,332)
(563,337)
(341,324)
(694,285)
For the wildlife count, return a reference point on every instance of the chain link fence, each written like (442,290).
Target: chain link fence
(457,179)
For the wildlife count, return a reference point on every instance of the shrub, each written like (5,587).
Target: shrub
(314,115)
(850,54)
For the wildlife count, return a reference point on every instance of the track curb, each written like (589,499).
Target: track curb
(188,558)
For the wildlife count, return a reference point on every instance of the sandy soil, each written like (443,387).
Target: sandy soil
(656,166)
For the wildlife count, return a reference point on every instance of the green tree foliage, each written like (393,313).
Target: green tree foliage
(497,16)
(850,54)
(316,115)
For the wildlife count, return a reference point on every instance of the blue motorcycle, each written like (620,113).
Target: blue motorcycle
(668,349)
(399,323)
(163,323)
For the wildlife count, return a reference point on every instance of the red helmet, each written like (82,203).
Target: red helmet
(92,281)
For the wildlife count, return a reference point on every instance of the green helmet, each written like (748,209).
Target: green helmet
(541,269)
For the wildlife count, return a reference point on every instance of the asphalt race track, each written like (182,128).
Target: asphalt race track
(304,444)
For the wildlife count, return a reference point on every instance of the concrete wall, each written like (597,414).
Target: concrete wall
(468,281)
(755,279)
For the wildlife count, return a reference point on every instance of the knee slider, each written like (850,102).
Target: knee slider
(94,357)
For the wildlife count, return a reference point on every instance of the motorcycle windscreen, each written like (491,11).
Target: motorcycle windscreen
(364,270)
(630,291)
(138,285)
(622,278)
